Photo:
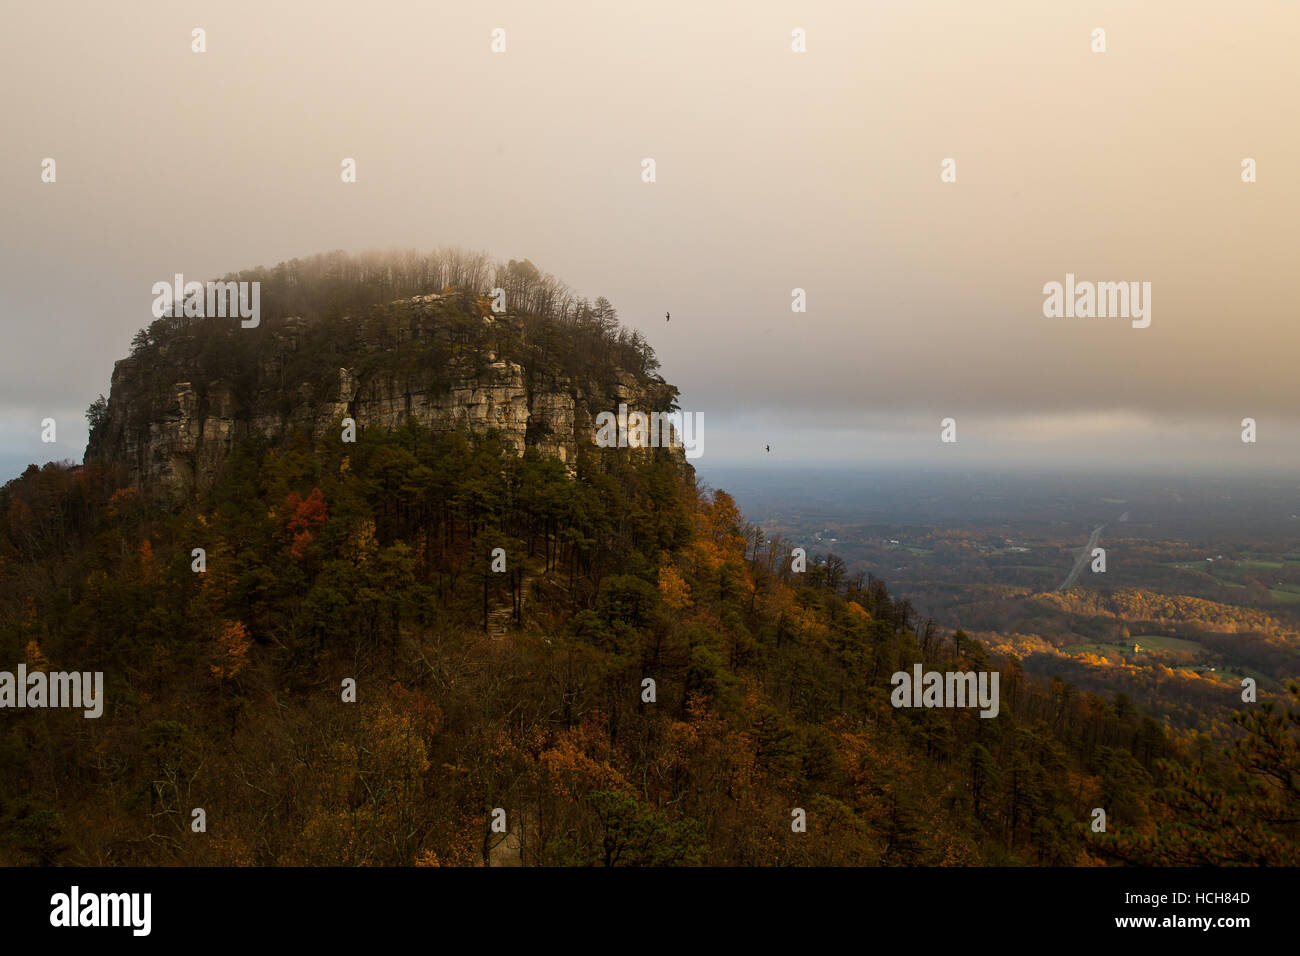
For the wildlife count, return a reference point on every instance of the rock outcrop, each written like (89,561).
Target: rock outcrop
(183,400)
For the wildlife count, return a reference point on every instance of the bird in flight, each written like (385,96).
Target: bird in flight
(769,447)
(668,316)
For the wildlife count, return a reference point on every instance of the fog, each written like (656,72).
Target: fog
(775,170)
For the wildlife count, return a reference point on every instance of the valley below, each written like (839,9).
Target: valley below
(1201,587)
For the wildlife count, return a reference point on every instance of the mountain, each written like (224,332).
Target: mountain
(472,636)
(192,389)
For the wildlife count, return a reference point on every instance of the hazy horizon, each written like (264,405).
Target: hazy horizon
(775,170)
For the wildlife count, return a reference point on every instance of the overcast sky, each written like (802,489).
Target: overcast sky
(775,170)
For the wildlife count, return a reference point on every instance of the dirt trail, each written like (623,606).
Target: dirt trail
(506,850)
(502,617)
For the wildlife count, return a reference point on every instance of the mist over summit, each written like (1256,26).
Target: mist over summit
(535,364)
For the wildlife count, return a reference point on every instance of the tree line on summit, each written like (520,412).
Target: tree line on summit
(338,285)
(371,561)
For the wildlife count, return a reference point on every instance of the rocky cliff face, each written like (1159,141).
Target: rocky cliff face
(182,401)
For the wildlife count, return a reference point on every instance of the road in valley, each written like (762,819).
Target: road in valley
(1083,559)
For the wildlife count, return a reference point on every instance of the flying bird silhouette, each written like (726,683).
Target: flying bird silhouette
(769,447)
(668,316)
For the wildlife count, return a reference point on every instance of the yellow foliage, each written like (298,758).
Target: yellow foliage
(674,589)
(857,609)
(362,543)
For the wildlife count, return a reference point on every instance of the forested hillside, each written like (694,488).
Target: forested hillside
(524,689)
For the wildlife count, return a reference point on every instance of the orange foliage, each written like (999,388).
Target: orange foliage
(303,517)
(146,560)
(233,644)
(35,659)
